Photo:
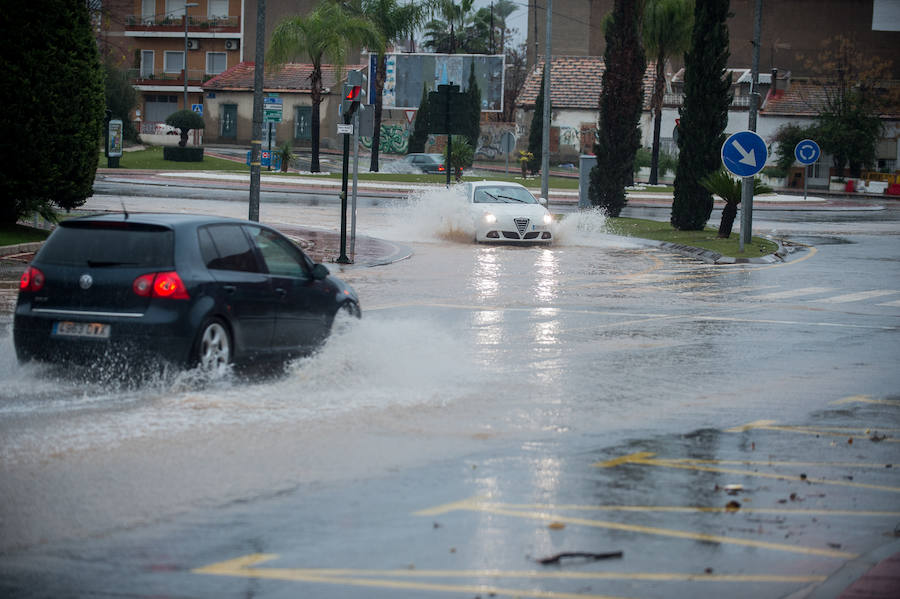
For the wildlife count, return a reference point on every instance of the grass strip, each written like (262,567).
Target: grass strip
(706,239)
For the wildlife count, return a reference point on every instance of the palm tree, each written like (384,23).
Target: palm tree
(667,32)
(722,184)
(502,10)
(395,22)
(455,15)
(325,33)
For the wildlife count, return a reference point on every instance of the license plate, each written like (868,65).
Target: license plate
(96,330)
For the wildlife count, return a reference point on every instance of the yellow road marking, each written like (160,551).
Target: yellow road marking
(243,567)
(665,532)
(700,509)
(865,399)
(769,425)
(638,458)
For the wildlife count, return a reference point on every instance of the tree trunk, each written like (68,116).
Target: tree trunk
(380,73)
(727,222)
(314,126)
(656,102)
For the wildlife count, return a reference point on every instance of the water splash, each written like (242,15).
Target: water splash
(432,214)
(590,228)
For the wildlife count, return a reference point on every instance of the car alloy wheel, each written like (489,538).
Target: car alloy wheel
(214,349)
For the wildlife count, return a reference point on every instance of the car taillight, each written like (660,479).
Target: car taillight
(32,280)
(166,285)
(441,168)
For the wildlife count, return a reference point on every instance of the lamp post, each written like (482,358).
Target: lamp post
(187,5)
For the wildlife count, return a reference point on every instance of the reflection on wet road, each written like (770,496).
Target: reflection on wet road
(581,397)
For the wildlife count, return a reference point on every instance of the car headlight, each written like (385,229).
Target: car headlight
(548,219)
(489,218)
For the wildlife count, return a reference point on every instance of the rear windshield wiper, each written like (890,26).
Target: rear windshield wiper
(102,263)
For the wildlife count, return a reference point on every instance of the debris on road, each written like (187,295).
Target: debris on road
(555,559)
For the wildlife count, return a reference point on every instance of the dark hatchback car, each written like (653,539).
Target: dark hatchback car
(430,164)
(190,290)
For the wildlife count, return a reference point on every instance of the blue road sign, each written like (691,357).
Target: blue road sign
(807,152)
(198,108)
(744,153)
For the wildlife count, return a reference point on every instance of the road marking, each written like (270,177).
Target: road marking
(791,293)
(701,510)
(639,458)
(244,567)
(856,297)
(893,304)
(825,431)
(865,399)
(474,505)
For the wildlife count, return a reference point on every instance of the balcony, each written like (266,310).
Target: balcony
(195,77)
(678,100)
(197,24)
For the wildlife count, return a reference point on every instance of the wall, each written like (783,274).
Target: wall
(284,131)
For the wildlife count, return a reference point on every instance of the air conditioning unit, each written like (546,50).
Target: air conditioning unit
(193,44)
(232,44)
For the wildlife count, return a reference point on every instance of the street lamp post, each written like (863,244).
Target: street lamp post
(187,5)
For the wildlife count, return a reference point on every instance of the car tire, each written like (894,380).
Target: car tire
(213,350)
(351,309)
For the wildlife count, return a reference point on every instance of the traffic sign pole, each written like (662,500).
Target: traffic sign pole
(744,153)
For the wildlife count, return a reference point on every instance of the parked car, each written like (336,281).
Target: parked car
(431,164)
(508,213)
(192,290)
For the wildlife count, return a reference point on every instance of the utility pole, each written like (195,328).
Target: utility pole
(545,137)
(747,183)
(256,134)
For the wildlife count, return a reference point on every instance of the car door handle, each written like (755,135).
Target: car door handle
(280,292)
(229,289)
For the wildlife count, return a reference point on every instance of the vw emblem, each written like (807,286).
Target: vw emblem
(85,281)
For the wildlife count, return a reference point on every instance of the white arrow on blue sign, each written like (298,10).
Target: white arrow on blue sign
(744,153)
(807,152)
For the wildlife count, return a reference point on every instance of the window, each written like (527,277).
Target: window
(218,8)
(174,62)
(226,247)
(216,62)
(147,58)
(302,120)
(175,9)
(148,12)
(281,258)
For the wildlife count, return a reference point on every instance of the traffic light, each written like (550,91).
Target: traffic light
(354,92)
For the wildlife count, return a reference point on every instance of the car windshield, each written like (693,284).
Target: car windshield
(104,244)
(499,194)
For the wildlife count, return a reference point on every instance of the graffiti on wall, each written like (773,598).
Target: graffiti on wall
(489,142)
(394,139)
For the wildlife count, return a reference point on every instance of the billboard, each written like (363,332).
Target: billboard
(406,74)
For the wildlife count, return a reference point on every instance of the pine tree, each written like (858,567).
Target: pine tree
(419,135)
(536,134)
(621,102)
(52,94)
(473,108)
(704,115)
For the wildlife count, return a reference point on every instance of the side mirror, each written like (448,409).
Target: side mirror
(542,202)
(319,272)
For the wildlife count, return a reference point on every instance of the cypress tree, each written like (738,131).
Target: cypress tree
(621,102)
(473,108)
(704,115)
(420,126)
(52,94)
(536,134)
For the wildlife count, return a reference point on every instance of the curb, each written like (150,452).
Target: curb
(21,248)
(710,257)
(847,574)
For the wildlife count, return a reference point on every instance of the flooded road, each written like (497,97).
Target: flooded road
(504,373)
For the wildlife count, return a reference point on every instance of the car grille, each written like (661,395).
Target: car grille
(532,234)
(511,235)
(521,224)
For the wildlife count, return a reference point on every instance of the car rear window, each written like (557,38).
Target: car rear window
(103,243)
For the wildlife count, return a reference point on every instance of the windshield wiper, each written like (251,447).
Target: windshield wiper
(102,263)
(513,199)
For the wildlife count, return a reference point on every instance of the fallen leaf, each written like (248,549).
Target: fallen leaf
(556,526)
(733,506)
(850,441)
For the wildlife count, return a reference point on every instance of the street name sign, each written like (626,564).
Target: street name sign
(272,109)
(807,152)
(744,153)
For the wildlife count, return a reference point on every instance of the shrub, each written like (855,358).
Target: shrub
(180,154)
